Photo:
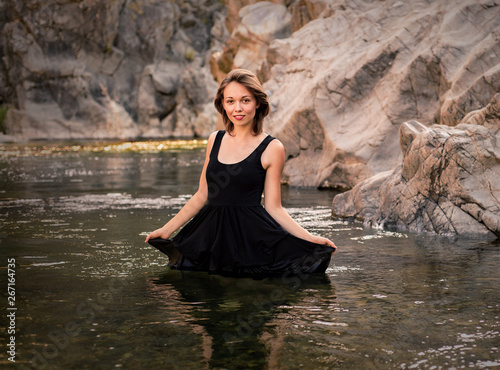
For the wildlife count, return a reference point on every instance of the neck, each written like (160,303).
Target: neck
(242,131)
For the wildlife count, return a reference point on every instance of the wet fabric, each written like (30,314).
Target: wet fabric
(233,234)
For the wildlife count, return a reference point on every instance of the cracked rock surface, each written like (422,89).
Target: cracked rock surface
(99,69)
(342,84)
(448,182)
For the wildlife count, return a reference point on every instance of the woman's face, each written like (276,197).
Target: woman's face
(240,104)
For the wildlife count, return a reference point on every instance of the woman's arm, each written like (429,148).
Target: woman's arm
(273,160)
(193,205)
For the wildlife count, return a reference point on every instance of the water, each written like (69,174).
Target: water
(90,294)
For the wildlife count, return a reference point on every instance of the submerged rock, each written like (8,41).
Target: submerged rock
(448,182)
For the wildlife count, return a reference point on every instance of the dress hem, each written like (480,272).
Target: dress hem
(315,264)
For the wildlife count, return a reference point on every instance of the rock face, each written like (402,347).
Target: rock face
(448,182)
(259,24)
(108,69)
(353,71)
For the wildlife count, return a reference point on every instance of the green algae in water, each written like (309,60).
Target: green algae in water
(51,149)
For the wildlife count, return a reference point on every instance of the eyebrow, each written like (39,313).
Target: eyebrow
(244,96)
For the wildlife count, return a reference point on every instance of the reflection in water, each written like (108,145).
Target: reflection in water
(75,222)
(241,320)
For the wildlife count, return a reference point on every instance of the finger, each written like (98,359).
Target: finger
(329,243)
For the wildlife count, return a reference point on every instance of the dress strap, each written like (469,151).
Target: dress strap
(257,153)
(215,148)
(263,145)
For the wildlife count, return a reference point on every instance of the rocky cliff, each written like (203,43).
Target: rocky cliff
(342,84)
(108,69)
(346,77)
(342,75)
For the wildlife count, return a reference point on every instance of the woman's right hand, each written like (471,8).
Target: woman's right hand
(158,233)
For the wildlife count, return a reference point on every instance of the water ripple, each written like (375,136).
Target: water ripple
(93,202)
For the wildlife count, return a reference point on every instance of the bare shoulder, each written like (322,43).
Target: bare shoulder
(212,136)
(210,144)
(275,147)
(211,139)
(274,154)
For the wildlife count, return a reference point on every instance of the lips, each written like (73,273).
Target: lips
(239,118)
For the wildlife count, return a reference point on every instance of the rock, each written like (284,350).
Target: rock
(304,11)
(488,116)
(359,70)
(156,96)
(103,69)
(259,24)
(448,182)
(196,114)
(233,9)
(193,113)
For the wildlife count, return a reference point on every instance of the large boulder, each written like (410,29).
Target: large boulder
(343,83)
(448,182)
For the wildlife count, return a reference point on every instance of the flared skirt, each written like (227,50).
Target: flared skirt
(242,241)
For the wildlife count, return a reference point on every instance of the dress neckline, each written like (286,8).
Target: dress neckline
(244,159)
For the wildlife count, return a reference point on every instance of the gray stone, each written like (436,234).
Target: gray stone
(102,69)
(448,182)
(192,114)
(156,96)
(361,69)
(259,24)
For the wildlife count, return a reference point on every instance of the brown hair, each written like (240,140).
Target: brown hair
(252,83)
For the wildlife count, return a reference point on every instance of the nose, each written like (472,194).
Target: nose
(238,106)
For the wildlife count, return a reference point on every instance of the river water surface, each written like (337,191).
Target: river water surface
(89,293)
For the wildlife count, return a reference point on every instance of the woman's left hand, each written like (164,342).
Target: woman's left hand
(158,233)
(320,240)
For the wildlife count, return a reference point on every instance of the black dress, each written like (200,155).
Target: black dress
(233,234)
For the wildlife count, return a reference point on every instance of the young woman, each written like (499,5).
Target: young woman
(230,232)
